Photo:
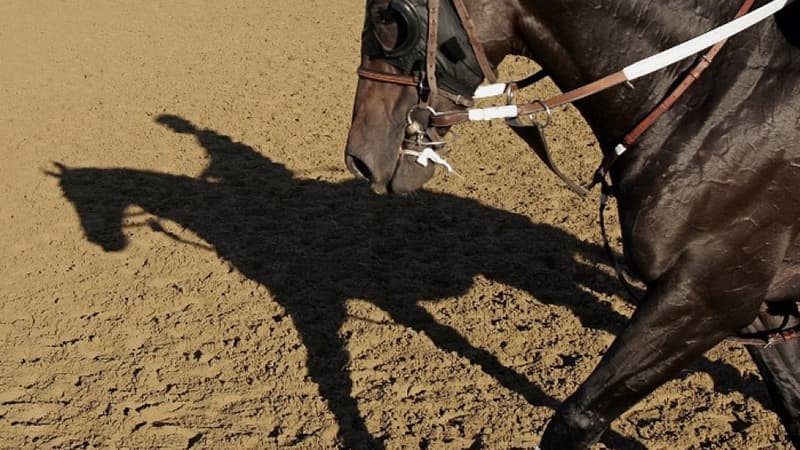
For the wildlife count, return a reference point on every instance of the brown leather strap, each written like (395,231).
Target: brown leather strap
(690,78)
(700,66)
(575,94)
(432,48)
(767,339)
(477,47)
(534,136)
(458,99)
(528,81)
(411,80)
(450,118)
(385,77)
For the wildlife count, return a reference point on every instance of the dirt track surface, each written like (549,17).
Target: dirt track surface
(186,264)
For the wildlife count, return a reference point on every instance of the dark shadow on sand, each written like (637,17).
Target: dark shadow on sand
(316,244)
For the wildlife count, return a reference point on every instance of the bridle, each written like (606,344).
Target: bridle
(424,138)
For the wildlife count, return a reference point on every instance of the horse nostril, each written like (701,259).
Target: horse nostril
(359,168)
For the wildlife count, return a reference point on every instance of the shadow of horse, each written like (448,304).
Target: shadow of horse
(316,244)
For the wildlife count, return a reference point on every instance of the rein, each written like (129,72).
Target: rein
(632,72)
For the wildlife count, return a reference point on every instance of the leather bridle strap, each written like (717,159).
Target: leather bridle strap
(414,80)
(393,78)
(477,47)
(431,51)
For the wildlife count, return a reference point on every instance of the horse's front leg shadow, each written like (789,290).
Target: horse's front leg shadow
(327,361)
(446,338)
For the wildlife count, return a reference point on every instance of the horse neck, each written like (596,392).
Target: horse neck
(578,42)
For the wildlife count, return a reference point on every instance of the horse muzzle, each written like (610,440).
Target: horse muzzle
(404,176)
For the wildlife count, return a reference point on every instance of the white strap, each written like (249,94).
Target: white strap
(496,112)
(689,48)
(490,90)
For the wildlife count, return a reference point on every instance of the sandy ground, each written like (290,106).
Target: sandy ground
(185,263)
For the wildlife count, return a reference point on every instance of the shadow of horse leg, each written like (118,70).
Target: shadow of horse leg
(780,368)
(327,359)
(675,323)
(446,338)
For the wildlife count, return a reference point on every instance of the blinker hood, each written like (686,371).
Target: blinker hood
(457,68)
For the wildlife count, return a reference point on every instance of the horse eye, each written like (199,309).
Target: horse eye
(395,26)
(387,29)
(385,17)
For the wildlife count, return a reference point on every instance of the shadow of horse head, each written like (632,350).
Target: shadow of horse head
(257,215)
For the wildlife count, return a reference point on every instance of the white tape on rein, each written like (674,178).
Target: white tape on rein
(696,45)
(490,90)
(648,65)
(495,112)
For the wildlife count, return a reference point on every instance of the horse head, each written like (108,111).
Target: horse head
(404,82)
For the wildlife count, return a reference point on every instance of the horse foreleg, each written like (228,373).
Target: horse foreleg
(780,367)
(673,325)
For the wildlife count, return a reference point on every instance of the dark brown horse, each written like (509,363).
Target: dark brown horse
(708,198)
